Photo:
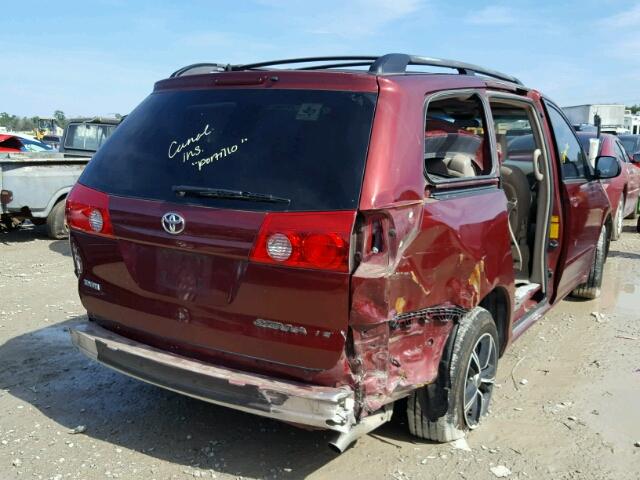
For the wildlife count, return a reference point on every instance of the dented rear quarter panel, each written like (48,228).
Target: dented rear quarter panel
(458,252)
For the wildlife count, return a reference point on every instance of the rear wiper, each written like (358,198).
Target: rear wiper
(183,190)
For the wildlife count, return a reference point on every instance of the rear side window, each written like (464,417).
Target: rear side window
(456,142)
(568,149)
(306,146)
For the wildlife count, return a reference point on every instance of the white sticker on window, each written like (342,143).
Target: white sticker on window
(309,111)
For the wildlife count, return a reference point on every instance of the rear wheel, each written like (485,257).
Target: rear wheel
(56,224)
(617,222)
(469,380)
(591,288)
(634,214)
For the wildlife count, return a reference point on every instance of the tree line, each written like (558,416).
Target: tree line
(15,123)
(20,124)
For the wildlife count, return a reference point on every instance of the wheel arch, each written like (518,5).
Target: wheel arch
(608,222)
(55,199)
(497,302)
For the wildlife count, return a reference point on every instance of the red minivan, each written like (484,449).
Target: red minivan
(622,191)
(313,239)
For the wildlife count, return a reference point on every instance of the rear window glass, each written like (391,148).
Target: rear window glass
(631,144)
(306,146)
(86,136)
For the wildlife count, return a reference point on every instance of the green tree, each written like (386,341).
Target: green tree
(7,120)
(634,108)
(60,117)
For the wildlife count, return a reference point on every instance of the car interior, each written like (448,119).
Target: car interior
(524,180)
(457,146)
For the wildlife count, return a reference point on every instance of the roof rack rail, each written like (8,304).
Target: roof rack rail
(390,64)
(217,67)
(396,63)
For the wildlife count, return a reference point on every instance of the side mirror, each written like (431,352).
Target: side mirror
(607,167)
(636,158)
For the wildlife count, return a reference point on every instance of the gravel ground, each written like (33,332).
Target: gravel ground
(566,406)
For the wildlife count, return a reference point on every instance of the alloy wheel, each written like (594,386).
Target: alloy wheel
(480,378)
(619,217)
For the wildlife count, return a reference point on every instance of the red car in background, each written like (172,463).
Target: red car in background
(623,191)
(631,144)
(10,143)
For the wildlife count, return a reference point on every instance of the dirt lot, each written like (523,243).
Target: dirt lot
(567,406)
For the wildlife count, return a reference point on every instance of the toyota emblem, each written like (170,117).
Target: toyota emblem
(173,223)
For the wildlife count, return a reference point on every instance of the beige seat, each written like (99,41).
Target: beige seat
(457,165)
(518,193)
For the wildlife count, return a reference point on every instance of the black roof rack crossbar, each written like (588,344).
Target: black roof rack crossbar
(251,66)
(390,64)
(336,65)
(397,63)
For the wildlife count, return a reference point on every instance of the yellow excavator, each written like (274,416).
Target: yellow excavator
(47,126)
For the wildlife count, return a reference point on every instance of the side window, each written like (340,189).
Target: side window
(456,142)
(515,138)
(568,148)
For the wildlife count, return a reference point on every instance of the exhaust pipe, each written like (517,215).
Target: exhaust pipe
(342,441)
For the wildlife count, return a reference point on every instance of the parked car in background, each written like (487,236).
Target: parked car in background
(85,137)
(52,140)
(313,245)
(631,144)
(623,191)
(12,142)
(34,186)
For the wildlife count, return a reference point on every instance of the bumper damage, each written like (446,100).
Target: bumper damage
(314,406)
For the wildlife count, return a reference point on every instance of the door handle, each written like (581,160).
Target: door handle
(575,201)
(537,154)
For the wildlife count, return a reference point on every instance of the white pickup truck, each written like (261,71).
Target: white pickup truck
(33,186)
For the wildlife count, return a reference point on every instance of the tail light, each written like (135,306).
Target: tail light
(87,210)
(383,235)
(317,240)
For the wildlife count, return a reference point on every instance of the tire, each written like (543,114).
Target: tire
(476,333)
(616,231)
(591,288)
(56,224)
(633,215)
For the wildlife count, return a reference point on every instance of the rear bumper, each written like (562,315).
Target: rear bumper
(315,406)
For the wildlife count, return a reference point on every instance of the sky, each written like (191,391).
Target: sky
(102,57)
